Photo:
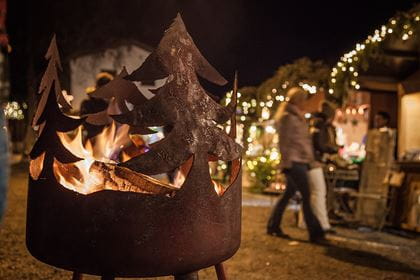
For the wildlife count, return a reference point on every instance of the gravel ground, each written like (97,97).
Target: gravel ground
(355,255)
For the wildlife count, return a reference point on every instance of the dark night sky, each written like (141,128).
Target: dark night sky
(255,37)
(267,34)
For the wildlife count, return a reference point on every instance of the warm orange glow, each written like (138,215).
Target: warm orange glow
(102,176)
(36,166)
(98,170)
(218,188)
(80,176)
(125,157)
(102,147)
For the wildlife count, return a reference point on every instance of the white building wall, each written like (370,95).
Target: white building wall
(85,68)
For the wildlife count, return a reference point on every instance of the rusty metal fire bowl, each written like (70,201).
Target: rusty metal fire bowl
(137,226)
(133,235)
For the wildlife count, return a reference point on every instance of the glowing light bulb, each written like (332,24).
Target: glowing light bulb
(270,129)
(265,114)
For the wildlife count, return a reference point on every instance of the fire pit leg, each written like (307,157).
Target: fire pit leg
(188,276)
(220,271)
(77,276)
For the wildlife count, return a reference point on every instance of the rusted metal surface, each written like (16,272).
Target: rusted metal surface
(220,271)
(182,103)
(126,234)
(134,235)
(77,276)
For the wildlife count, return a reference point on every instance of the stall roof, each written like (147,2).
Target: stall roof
(412,83)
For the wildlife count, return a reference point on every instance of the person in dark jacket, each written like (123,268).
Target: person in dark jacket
(93,105)
(323,132)
(323,136)
(324,145)
(296,155)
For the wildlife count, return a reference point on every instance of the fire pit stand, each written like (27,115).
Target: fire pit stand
(138,226)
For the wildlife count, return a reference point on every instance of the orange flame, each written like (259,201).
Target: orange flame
(97,171)
(36,166)
(79,176)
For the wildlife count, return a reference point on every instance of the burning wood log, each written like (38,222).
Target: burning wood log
(124,179)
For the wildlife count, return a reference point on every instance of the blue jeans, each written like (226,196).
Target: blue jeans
(4,163)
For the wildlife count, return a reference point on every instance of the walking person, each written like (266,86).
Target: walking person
(296,155)
(324,145)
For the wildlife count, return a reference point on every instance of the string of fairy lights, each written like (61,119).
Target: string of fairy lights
(344,75)
(261,160)
(265,105)
(255,110)
(15,111)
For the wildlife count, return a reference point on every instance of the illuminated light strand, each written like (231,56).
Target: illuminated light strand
(15,111)
(346,70)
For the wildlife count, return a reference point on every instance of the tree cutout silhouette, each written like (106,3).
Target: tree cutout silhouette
(48,141)
(118,92)
(121,90)
(181,104)
(49,79)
